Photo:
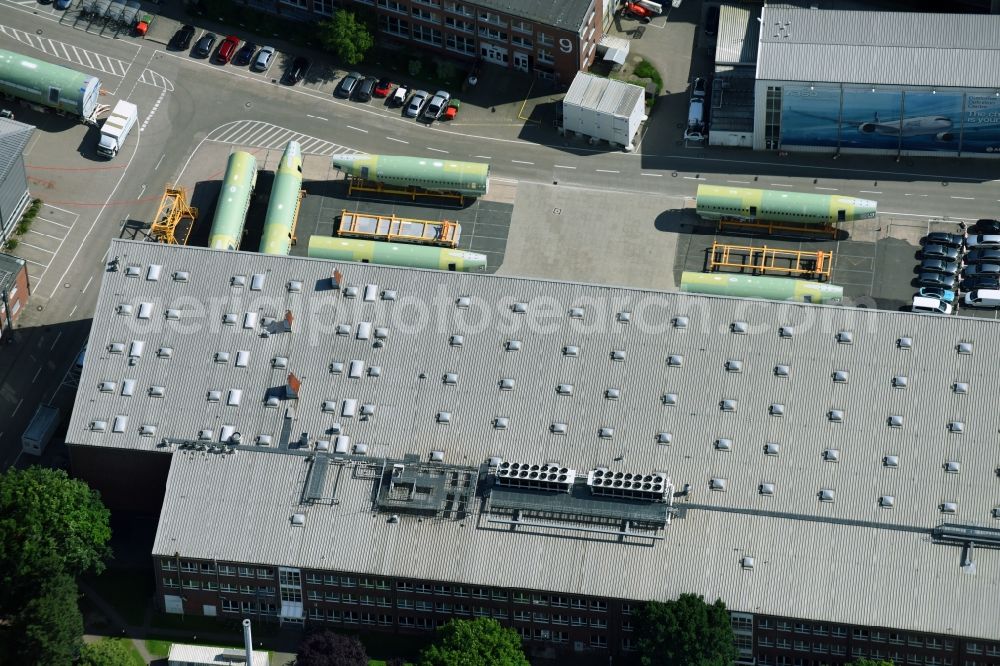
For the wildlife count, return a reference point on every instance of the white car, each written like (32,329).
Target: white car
(416,104)
(982,240)
(983,298)
(398,96)
(263,59)
(930,305)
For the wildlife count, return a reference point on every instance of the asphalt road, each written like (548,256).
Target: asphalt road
(184,102)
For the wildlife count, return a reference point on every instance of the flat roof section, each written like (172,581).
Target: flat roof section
(564,14)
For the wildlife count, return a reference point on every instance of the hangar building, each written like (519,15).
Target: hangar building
(892,83)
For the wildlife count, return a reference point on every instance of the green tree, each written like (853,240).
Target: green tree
(869,662)
(49,525)
(109,652)
(686,632)
(346,36)
(479,642)
(49,628)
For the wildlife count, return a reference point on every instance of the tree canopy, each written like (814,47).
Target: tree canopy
(479,642)
(685,632)
(327,648)
(109,652)
(49,525)
(346,36)
(49,627)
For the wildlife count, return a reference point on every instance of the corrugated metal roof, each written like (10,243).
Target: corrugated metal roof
(739,32)
(408,332)
(14,138)
(604,95)
(564,14)
(870,47)
(208,655)
(10,267)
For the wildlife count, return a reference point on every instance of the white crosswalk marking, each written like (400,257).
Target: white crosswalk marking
(151,78)
(68,52)
(257,134)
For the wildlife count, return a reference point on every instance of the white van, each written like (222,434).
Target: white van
(932,305)
(983,298)
(696,125)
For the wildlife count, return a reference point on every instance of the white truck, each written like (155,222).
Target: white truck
(40,430)
(116,128)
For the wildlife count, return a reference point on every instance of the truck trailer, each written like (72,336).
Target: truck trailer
(40,430)
(116,128)
(42,84)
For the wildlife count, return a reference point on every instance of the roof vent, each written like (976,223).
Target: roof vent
(845,337)
(257,282)
(886,501)
(996,512)
(576,313)
(727,405)
(381,333)
(960,387)
(157,391)
(964,348)
(323,445)
(145,311)
(107,387)
(450,378)
(371,290)
(564,389)
(116,348)
(835,415)
(734,365)
(360,449)
(336,368)
(558,428)
(781,370)
(272,401)
(364,330)
(443,417)
(374,371)
(831,455)
(772,448)
(97,426)
(463,302)
(675,360)
(294,287)
(342,444)
(766,489)
(279,362)
(153,272)
(904,342)
(367,409)
(147,430)
(128,387)
(956,427)
(350,292)
(895,421)
(213,396)
(664,438)
(680,322)
(437,456)
(171,314)
(343,329)
(519,308)
(229,319)
(776,409)
(786,332)
(262,440)
(739,327)
(669,399)
(124,309)
(242,358)
(181,276)
(891,461)
(606,433)
(329,406)
(900,381)
(507,384)
(717,484)
(238,280)
(298,519)
(221,357)
(612,394)
(618,355)
(840,376)
(501,423)
(389,295)
(205,434)
(826,495)
(746,562)
(952,466)
(456,341)
(133,270)
(723,445)
(513,345)
(949,507)
(570,350)
(624,317)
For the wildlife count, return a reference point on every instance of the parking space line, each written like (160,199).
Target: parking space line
(42,219)
(36,263)
(35,247)
(560,166)
(652,175)
(62,210)
(32,231)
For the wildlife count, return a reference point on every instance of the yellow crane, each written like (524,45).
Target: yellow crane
(174,219)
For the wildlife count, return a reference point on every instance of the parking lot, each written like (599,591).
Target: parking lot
(44,239)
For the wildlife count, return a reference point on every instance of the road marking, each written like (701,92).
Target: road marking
(560,166)
(72,311)
(521,162)
(27,244)
(37,264)
(87,285)
(392,138)
(32,231)
(483,157)
(652,175)
(35,378)
(779,185)
(505,180)
(966,198)
(18,407)
(437,150)
(693,178)
(58,335)
(739,182)
(932,217)
(357,129)
(606,171)
(829,189)
(871,191)
(143,189)
(309,115)
(64,226)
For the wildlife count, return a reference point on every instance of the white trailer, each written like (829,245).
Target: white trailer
(40,430)
(604,109)
(117,127)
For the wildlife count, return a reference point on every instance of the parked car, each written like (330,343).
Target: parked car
(399,96)
(698,89)
(366,88)
(939,266)
(985,227)
(227,49)
(935,251)
(942,238)
(245,54)
(983,298)
(383,88)
(973,270)
(416,103)
(437,105)
(983,254)
(182,38)
(982,240)
(296,71)
(263,59)
(712,20)
(638,12)
(204,46)
(946,295)
(930,305)
(345,89)
(981,282)
(62,4)
(943,280)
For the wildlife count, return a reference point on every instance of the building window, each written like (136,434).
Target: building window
(189,567)
(520,26)
(545,57)
(861,633)
(248,607)
(522,616)
(351,617)
(497,595)
(973,648)
(246,589)
(598,640)
(301,4)
(392,6)
(265,573)
(227,587)
(425,15)
(539,600)
(424,588)
(578,621)
(170,582)
(333,597)
(459,24)
(323,7)
(403,586)
(441,607)
(313,595)
(500,613)
(801,646)
(385,620)
(458,8)
(226,570)
(520,598)
(466,45)
(764,641)
(349,598)
(210,585)
(367,600)
(541,617)
(267,591)
(368,618)
(820,648)
(384,602)
(289,577)
(313,579)
(520,41)
(772,118)
(394,26)
(423,33)
(229,606)
(545,40)
(427,3)
(841,632)
(598,623)
(487,32)
(405,604)
(316,613)
(478,611)
(167,565)
(578,603)
(838,649)
(494,19)
(598,605)
(348,581)
(425,606)
(406,621)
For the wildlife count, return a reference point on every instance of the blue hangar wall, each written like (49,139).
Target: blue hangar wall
(852,118)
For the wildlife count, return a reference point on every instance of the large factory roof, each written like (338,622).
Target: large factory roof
(827,444)
(879,48)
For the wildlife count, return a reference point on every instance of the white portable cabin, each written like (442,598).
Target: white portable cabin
(604,110)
